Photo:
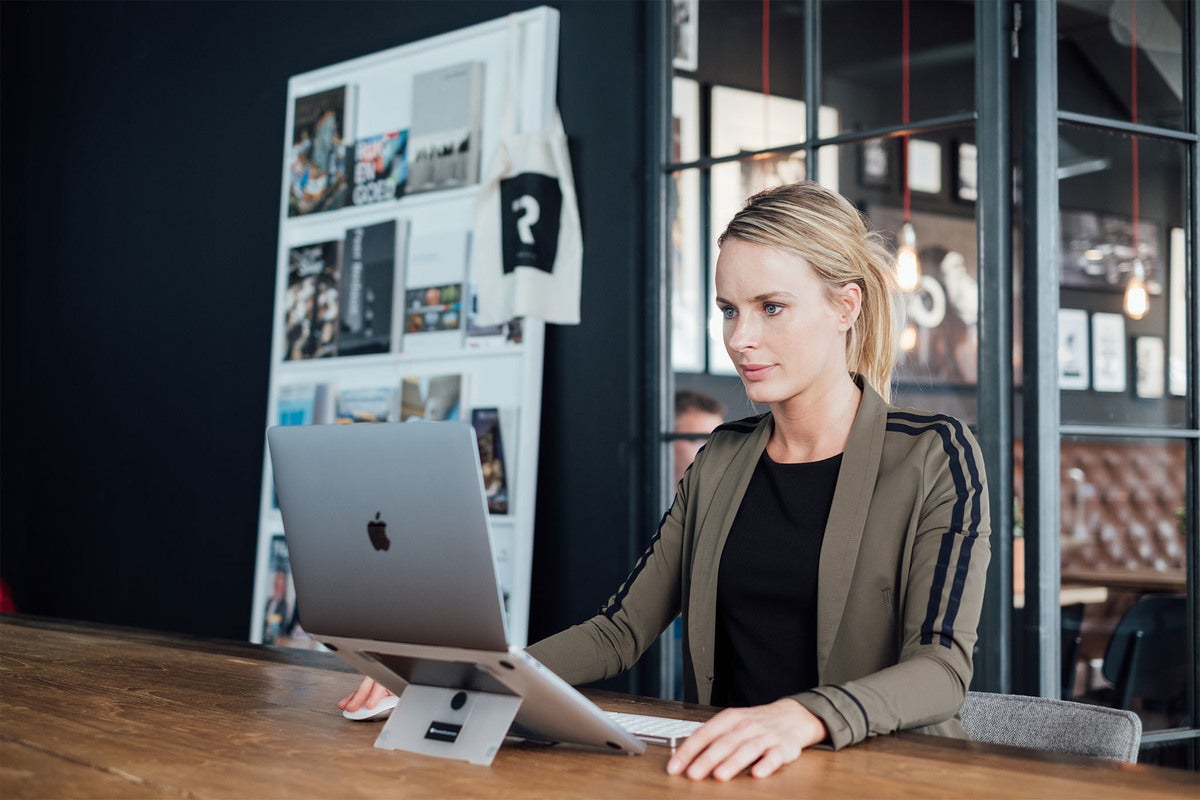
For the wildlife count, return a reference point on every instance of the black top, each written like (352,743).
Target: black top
(767,584)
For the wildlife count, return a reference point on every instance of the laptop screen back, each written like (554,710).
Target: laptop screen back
(386,526)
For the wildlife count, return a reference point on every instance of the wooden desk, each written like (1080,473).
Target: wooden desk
(1070,595)
(1139,580)
(105,712)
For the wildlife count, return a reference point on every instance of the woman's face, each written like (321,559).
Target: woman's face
(781,331)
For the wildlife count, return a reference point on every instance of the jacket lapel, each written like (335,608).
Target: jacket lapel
(717,520)
(848,517)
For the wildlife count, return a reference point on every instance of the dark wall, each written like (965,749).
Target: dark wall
(140,215)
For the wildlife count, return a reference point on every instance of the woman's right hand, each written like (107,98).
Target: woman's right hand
(368,694)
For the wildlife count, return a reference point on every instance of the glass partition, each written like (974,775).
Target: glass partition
(862,61)
(1103,44)
(1124,571)
(1122,355)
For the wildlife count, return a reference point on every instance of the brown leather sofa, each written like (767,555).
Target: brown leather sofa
(1120,503)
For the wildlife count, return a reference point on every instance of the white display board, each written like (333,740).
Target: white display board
(361,107)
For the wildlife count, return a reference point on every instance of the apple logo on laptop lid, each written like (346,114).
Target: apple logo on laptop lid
(377,530)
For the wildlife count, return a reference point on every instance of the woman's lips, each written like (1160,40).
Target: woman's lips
(755,372)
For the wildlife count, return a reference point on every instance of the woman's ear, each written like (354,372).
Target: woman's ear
(848,302)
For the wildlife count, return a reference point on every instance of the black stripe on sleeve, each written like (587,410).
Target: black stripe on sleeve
(964,555)
(950,432)
(612,608)
(866,720)
(743,426)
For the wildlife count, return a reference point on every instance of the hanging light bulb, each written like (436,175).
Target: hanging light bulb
(908,268)
(1137,299)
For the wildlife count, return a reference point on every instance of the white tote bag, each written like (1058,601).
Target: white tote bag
(527,255)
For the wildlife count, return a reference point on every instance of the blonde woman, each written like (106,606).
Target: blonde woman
(828,556)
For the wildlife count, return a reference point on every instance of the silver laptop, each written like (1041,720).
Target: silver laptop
(386,526)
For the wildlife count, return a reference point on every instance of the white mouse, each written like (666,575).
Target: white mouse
(381,711)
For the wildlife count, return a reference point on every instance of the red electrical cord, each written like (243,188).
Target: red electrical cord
(1133,101)
(766,71)
(904,110)
(766,47)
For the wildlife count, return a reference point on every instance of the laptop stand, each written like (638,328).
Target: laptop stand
(449,723)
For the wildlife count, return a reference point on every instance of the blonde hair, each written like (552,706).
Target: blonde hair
(822,227)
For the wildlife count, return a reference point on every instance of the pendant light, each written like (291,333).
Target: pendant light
(908,266)
(1137,298)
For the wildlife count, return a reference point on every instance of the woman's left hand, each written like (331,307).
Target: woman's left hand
(763,738)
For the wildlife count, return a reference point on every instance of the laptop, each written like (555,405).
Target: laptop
(387,530)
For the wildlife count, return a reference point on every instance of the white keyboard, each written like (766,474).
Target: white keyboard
(656,730)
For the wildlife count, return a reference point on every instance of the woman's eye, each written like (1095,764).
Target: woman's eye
(728,312)
(772,309)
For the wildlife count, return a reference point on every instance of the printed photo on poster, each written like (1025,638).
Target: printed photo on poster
(1149,366)
(317,165)
(367,404)
(431,398)
(967,173)
(924,166)
(1097,251)
(443,144)
(435,281)
(434,308)
(1073,357)
(311,301)
(940,341)
(686,25)
(875,163)
(486,422)
(1108,352)
(281,617)
(1177,316)
(380,168)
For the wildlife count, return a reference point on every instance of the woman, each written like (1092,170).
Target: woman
(828,556)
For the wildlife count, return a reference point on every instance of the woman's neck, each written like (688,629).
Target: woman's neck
(815,425)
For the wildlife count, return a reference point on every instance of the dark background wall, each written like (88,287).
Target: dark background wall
(140,179)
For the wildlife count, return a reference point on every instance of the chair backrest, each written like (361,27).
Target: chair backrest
(1072,639)
(1145,656)
(1060,726)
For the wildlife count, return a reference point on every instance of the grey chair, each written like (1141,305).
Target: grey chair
(1060,726)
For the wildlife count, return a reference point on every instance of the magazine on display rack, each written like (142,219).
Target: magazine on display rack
(444,144)
(321,128)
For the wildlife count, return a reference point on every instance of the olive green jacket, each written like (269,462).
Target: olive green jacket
(900,584)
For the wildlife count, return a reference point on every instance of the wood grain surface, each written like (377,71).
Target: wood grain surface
(90,711)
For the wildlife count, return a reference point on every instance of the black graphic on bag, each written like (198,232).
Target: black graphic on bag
(529,215)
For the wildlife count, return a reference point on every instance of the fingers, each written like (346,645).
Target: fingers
(763,738)
(377,693)
(726,757)
(770,762)
(710,749)
(368,693)
(699,741)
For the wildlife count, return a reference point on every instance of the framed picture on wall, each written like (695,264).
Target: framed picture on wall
(1149,366)
(687,34)
(940,341)
(924,166)
(1177,316)
(875,163)
(1097,251)
(1073,364)
(1108,352)
(966,173)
